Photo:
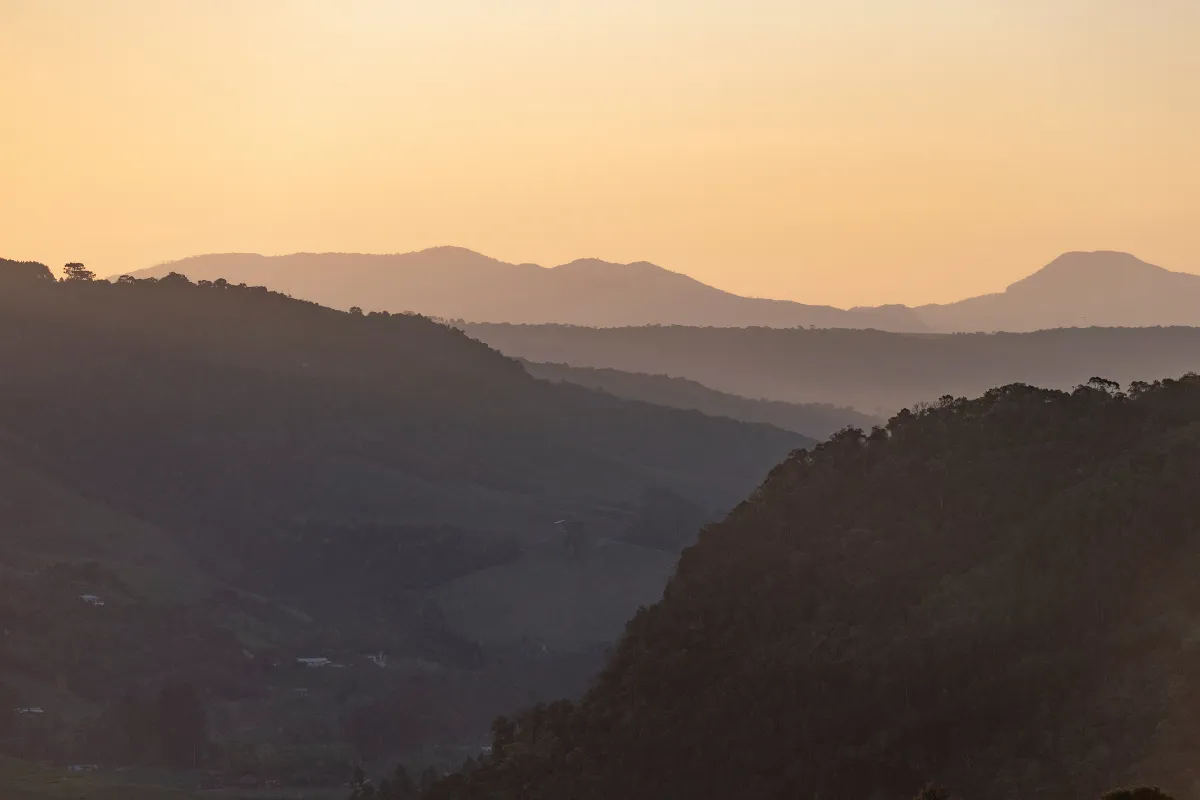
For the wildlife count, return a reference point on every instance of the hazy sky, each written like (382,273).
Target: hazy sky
(857,151)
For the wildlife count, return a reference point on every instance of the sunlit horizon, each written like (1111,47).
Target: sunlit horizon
(851,155)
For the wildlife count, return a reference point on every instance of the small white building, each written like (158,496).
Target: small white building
(91,599)
(314,663)
(379,660)
(30,710)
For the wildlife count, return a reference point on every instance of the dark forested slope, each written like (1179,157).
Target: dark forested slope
(998,593)
(291,480)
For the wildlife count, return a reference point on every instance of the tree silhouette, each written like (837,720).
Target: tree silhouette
(1104,385)
(1138,793)
(430,776)
(504,731)
(24,273)
(360,787)
(403,787)
(75,271)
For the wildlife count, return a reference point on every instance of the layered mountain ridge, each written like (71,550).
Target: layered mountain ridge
(1077,289)
(244,479)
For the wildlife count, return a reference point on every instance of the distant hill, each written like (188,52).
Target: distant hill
(996,594)
(1078,290)
(455,283)
(873,371)
(818,420)
(246,478)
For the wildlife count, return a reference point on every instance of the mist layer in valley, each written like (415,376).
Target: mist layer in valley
(875,372)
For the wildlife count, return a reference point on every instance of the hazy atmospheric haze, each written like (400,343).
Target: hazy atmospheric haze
(853,153)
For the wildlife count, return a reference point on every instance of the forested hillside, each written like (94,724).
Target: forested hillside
(245,479)
(875,372)
(997,593)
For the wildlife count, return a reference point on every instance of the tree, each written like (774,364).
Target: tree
(356,311)
(403,787)
(75,271)
(430,776)
(1139,793)
(504,731)
(360,787)
(182,725)
(1104,385)
(24,273)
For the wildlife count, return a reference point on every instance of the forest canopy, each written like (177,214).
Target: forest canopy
(997,592)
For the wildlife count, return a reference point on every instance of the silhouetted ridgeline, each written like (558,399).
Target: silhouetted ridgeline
(254,479)
(818,420)
(1074,290)
(872,371)
(999,592)
(23,274)
(456,283)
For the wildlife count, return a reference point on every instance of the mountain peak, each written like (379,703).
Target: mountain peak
(452,250)
(600,265)
(1103,265)
(1078,289)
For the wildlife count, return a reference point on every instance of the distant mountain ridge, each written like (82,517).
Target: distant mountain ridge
(455,283)
(1077,289)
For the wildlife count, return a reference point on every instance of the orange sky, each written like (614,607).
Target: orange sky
(863,151)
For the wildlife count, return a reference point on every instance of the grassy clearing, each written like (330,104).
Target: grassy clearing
(22,780)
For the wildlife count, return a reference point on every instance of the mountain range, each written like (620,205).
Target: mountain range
(1077,289)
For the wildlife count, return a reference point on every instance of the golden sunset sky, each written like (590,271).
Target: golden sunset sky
(848,152)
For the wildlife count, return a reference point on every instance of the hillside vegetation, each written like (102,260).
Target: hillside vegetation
(245,479)
(998,593)
(872,371)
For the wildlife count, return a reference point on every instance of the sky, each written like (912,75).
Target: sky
(857,152)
